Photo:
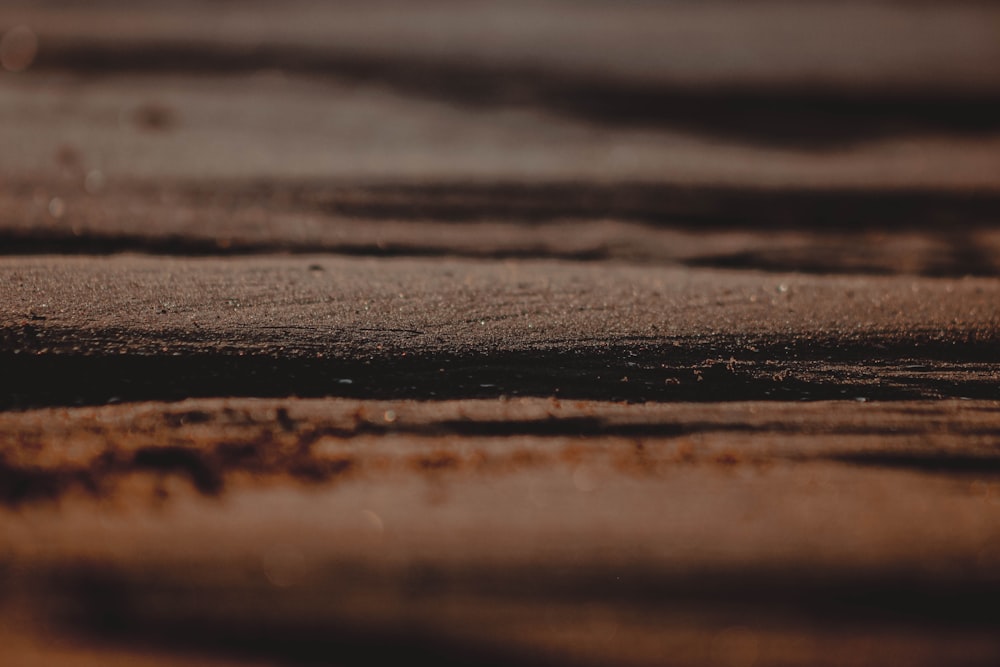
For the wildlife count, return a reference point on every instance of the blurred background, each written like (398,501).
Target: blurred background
(699,132)
(762,93)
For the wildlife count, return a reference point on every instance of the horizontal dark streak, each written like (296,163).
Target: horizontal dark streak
(805,117)
(627,372)
(102,605)
(922,462)
(112,604)
(533,203)
(659,204)
(51,242)
(961,258)
(947,220)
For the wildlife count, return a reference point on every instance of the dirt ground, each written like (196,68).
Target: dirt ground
(535,333)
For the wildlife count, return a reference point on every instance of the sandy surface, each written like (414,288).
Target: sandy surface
(521,530)
(542,333)
(98,329)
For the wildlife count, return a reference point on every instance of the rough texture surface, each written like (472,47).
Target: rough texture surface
(522,333)
(86,329)
(528,530)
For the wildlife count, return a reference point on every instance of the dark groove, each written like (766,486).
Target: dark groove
(53,242)
(802,117)
(105,607)
(817,261)
(930,463)
(948,219)
(525,204)
(112,606)
(634,371)
(657,204)
(596,427)
(830,596)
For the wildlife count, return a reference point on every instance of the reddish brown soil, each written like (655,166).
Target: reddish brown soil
(545,334)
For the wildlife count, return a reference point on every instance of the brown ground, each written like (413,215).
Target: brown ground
(543,334)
